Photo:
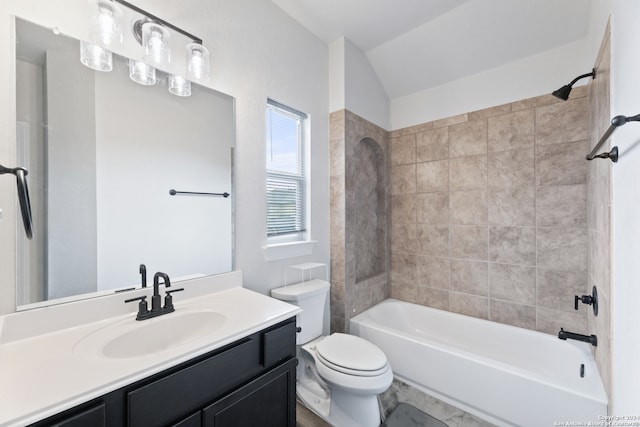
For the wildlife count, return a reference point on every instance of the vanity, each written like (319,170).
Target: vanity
(237,369)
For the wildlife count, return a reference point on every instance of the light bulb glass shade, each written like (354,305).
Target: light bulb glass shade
(197,62)
(142,73)
(179,86)
(155,39)
(96,57)
(106,23)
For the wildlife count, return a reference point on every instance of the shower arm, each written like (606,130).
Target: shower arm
(616,122)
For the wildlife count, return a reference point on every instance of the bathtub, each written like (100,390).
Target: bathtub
(506,375)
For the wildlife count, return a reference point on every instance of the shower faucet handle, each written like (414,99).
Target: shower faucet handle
(591,300)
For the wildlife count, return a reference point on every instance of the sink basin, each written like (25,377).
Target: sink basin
(130,338)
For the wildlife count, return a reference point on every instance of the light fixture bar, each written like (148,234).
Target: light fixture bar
(160,20)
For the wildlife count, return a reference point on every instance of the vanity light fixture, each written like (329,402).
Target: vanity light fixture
(106,27)
(564,91)
(154,35)
(142,73)
(96,57)
(179,86)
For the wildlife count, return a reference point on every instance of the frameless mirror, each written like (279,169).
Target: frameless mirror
(103,154)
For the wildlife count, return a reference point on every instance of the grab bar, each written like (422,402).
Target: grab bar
(174,192)
(23,196)
(616,122)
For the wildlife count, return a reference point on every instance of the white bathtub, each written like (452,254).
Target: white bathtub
(503,374)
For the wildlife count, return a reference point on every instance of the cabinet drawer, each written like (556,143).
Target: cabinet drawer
(94,416)
(183,392)
(279,344)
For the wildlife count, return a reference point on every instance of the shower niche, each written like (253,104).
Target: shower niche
(369,209)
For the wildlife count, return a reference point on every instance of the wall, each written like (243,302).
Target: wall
(489,213)
(257,51)
(510,82)
(625,99)
(354,85)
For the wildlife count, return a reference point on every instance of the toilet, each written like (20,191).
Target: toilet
(338,376)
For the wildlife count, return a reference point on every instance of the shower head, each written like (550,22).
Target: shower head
(564,91)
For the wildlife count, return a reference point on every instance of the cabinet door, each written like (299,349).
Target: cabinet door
(194,420)
(267,401)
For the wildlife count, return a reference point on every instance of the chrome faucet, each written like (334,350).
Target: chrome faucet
(156,308)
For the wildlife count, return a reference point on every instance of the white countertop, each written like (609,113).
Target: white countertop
(42,375)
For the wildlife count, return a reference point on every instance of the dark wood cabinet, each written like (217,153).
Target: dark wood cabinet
(249,382)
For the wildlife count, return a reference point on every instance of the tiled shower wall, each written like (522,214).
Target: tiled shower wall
(599,214)
(359,217)
(489,213)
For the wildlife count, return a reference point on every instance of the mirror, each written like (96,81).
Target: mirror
(103,153)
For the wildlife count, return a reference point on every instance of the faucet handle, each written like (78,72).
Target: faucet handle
(168,299)
(143,308)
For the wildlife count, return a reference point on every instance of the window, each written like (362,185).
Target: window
(286,174)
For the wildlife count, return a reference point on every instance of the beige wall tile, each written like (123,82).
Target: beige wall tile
(403,208)
(512,206)
(432,176)
(514,168)
(561,248)
(432,208)
(436,298)
(562,164)
(556,289)
(511,131)
(403,238)
(489,112)
(468,242)
(433,272)
(468,139)
(403,179)
(522,316)
(403,150)
(448,121)
(403,268)
(469,305)
(468,207)
(550,321)
(432,145)
(516,283)
(512,245)
(404,292)
(562,205)
(466,173)
(563,122)
(470,277)
(433,239)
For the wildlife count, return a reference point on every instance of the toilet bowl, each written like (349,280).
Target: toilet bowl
(338,376)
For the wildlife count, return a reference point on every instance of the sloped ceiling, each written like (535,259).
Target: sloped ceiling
(414,45)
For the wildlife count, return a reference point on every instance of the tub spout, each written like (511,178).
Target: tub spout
(564,335)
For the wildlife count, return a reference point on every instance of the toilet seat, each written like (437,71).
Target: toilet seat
(351,355)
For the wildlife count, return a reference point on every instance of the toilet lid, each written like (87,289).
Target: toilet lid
(351,355)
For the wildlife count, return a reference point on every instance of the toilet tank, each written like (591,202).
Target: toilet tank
(311,297)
